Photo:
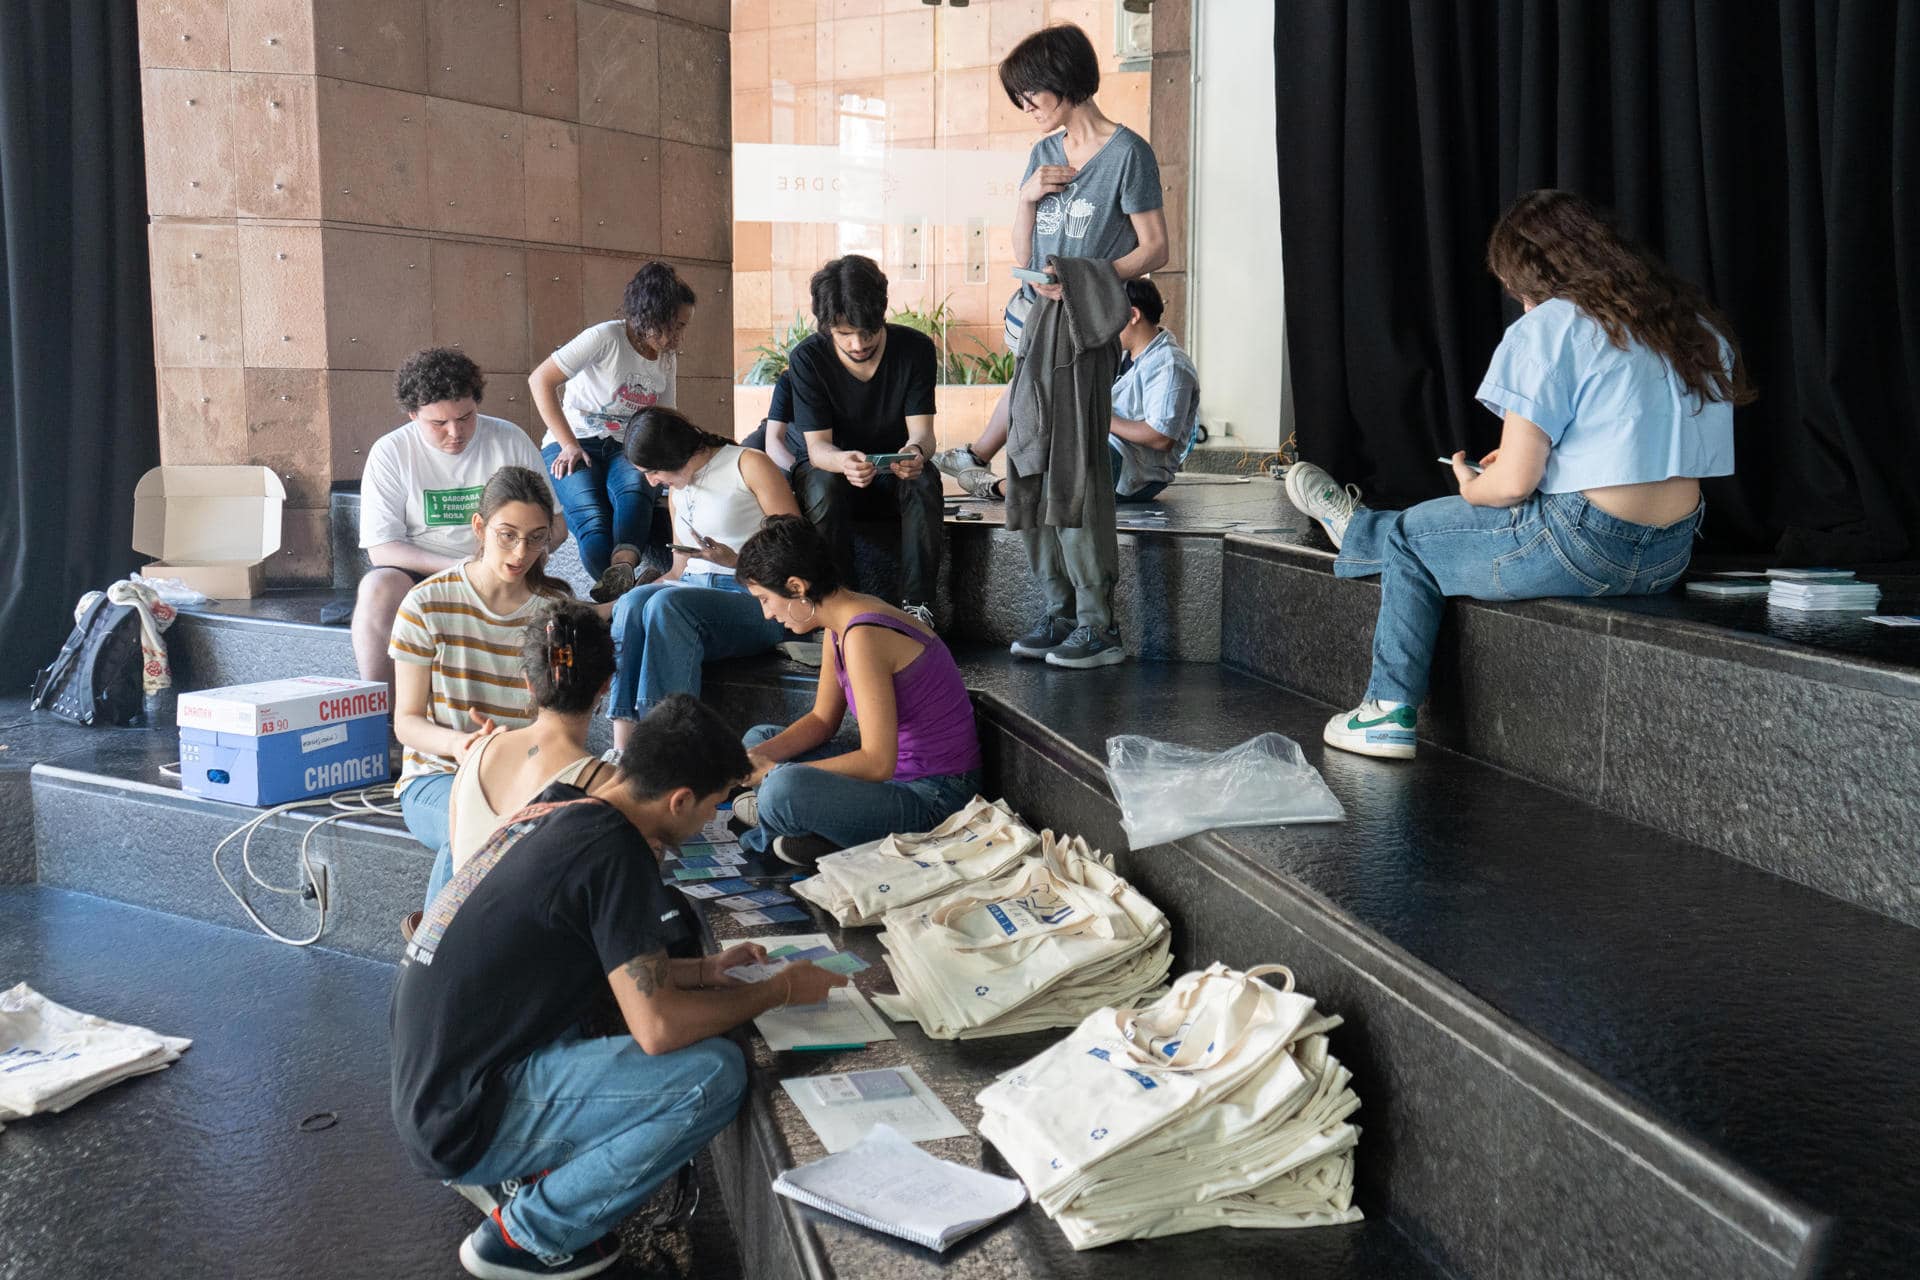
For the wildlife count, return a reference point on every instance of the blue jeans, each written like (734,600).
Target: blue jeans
(607,503)
(423,807)
(1145,493)
(1553,544)
(611,1122)
(663,631)
(796,800)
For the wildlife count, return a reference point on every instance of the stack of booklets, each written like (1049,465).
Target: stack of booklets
(1812,590)
(887,1184)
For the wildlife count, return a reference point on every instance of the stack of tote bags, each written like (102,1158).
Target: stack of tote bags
(1057,936)
(1216,1106)
(859,885)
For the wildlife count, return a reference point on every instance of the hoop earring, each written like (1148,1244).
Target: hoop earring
(813,612)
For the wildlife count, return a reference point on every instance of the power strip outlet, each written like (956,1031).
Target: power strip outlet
(319,892)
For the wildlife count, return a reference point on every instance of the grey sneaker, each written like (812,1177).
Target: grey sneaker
(1319,496)
(957,462)
(746,808)
(1087,648)
(614,583)
(1048,635)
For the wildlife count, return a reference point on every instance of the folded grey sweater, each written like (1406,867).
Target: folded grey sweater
(1061,398)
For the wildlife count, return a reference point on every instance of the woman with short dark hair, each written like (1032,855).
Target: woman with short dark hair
(918,758)
(611,372)
(1091,190)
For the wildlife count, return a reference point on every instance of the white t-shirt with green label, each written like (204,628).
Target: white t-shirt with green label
(413,492)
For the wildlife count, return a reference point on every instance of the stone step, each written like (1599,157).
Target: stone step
(1563,1072)
(1791,743)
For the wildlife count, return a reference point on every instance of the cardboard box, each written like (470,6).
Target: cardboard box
(281,740)
(211,527)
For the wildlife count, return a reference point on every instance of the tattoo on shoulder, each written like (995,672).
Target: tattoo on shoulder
(533,751)
(649,972)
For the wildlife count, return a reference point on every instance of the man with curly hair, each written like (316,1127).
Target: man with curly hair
(421,487)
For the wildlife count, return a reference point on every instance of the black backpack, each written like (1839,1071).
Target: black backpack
(96,679)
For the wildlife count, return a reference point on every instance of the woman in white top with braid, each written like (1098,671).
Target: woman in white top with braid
(719,494)
(456,652)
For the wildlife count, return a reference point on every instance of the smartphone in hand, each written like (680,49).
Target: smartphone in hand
(1474,467)
(1034,277)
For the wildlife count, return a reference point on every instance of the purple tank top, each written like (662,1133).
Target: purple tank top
(937,734)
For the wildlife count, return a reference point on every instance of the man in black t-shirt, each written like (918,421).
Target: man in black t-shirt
(555,1136)
(861,388)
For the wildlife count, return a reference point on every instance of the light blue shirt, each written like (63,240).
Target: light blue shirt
(1612,416)
(1162,390)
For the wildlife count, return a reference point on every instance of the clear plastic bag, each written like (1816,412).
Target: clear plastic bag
(1167,791)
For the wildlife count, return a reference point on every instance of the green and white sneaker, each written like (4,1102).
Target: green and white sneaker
(1319,496)
(1372,730)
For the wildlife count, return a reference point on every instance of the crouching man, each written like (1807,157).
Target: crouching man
(555,1136)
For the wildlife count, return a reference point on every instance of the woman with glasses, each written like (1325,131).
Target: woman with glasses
(587,393)
(456,653)
(719,495)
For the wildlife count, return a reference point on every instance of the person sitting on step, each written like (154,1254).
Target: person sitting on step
(557,1136)
(610,373)
(1091,190)
(566,658)
(1156,405)
(776,436)
(1616,388)
(918,758)
(456,652)
(421,486)
(719,495)
(863,388)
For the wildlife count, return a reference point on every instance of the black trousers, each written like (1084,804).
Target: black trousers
(832,502)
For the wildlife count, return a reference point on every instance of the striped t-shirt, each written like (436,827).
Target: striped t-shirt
(475,657)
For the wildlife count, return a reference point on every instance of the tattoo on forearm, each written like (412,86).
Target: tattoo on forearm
(649,973)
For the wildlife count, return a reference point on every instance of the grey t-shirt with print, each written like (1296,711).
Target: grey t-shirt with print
(1092,217)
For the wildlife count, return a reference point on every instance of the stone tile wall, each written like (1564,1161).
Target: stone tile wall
(335,183)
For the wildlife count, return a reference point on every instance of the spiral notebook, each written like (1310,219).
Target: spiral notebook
(887,1184)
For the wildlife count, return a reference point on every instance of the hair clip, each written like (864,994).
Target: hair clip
(559,656)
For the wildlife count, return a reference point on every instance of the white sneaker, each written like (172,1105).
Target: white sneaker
(920,613)
(1319,496)
(1371,730)
(955,462)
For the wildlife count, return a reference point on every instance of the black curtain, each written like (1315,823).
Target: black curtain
(77,419)
(1767,149)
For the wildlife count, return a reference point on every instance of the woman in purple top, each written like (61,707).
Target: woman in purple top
(919,755)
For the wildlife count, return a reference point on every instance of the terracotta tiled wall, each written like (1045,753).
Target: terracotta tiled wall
(334,183)
(929,75)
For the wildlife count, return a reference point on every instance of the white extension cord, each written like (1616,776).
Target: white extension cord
(360,803)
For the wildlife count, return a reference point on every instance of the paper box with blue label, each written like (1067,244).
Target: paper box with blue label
(282,740)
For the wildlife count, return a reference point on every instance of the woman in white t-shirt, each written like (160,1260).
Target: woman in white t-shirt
(719,495)
(587,393)
(456,653)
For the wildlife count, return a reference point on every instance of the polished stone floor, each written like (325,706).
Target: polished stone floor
(203,1169)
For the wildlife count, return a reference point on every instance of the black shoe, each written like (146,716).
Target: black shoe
(488,1253)
(1049,635)
(1085,648)
(802,851)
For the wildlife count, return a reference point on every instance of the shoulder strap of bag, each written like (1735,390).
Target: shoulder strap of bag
(1214,1022)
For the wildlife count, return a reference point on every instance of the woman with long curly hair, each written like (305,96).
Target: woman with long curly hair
(1616,387)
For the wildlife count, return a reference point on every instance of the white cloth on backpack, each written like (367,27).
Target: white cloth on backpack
(156,615)
(859,885)
(1219,1105)
(1058,935)
(52,1057)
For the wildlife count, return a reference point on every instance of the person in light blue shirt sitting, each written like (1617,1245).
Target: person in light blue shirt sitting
(1156,400)
(1616,388)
